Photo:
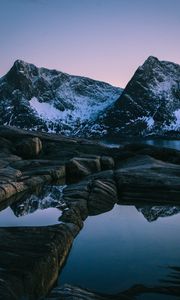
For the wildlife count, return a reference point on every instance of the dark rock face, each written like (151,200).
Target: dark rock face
(150,103)
(50,100)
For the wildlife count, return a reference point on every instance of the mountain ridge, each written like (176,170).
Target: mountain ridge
(50,100)
(53,100)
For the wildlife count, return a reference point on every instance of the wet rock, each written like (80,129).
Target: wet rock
(30,259)
(29,147)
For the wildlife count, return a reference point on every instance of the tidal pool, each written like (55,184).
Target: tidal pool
(126,246)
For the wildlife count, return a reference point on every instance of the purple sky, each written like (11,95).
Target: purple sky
(102,39)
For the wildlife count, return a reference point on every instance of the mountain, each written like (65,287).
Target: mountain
(152,213)
(39,98)
(49,100)
(150,103)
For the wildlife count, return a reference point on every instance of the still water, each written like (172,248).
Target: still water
(120,248)
(39,209)
(115,142)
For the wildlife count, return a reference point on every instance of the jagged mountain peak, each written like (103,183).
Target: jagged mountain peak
(151,60)
(39,98)
(150,103)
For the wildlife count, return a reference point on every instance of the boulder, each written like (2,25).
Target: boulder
(29,147)
(79,167)
(102,197)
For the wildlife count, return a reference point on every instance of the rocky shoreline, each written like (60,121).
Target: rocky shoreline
(97,177)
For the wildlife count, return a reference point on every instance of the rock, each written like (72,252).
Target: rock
(29,147)
(30,259)
(147,179)
(10,189)
(80,167)
(107,163)
(103,196)
(73,216)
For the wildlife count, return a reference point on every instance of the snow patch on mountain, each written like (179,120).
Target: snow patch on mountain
(45,110)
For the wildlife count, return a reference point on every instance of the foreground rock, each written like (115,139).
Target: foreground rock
(30,259)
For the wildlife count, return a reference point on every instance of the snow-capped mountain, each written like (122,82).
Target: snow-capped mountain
(150,103)
(152,213)
(50,100)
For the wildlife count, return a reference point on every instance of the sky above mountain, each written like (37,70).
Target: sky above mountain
(102,39)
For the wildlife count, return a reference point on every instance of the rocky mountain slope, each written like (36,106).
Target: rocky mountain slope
(50,100)
(150,103)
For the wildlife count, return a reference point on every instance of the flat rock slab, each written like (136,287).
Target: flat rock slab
(145,178)
(30,259)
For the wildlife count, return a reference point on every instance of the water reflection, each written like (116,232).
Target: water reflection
(46,197)
(121,248)
(152,213)
(43,207)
